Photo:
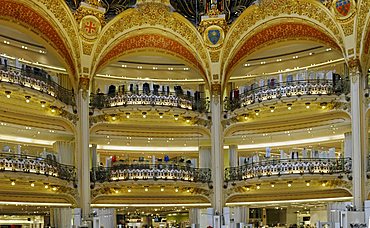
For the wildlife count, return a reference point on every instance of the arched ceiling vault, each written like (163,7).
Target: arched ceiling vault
(50,20)
(147,42)
(363,33)
(139,21)
(294,16)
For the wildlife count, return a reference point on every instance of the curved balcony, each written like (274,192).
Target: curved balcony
(162,171)
(101,100)
(277,168)
(37,81)
(287,89)
(36,165)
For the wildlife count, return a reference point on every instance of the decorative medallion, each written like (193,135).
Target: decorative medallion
(344,9)
(214,36)
(90,27)
(343,6)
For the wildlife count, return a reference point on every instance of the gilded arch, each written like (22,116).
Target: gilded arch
(151,16)
(33,16)
(304,11)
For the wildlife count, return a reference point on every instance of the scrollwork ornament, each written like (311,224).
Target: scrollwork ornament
(355,69)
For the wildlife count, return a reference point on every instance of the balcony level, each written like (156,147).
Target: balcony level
(251,95)
(271,169)
(35,79)
(179,172)
(32,165)
(150,98)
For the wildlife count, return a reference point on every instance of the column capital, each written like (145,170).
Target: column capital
(84,83)
(354,65)
(216,89)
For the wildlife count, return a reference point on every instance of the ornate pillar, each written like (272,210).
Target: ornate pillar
(83,153)
(217,149)
(359,134)
(233,156)
(205,157)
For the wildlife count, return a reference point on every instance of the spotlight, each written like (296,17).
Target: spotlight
(114,117)
(176,117)
(13,182)
(53,109)
(187,120)
(307,183)
(245,117)
(257,112)
(323,105)
(28,98)
(248,188)
(161,115)
(258,186)
(162,189)
(323,183)
(32,184)
(289,106)
(129,190)
(46,186)
(42,104)
(272,185)
(54,188)
(272,109)
(127,115)
(7,93)
(308,105)
(146,189)
(176,189)
(289,184)
(144,114)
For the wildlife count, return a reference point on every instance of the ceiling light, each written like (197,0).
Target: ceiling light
(32,184)
(289,184)
(28,99)
(310,53)
(7,93)
(144,114)
(53,108)
(323,183)
(42,104)
(186,68)
(289,106)
(272,185)
(139,67)
(176,189)
(258,186)
(146,189)
(170,68)
(13,182)
(328,49)
(124,66)
(245,116)
(308,105)
(263,62)
(129,190)
(155,68)
(162,189)
(54,188)
(160,115)
(272,109)
(6,42)
(247,64)
(127,115)
(257,112)
(308,183)
(248,188)
(323,105)
(46,186)
(114,117)
(176,117)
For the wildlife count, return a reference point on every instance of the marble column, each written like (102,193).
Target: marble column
(233,156)
(83,152)
(65,152)
(204,157)
(217,149)
(61,217)
(359,134)
(194,217)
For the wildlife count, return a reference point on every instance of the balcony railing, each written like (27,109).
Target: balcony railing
(174,172)
(36,165)
(40,82)
(281,167)
(287,89)
(101,100)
